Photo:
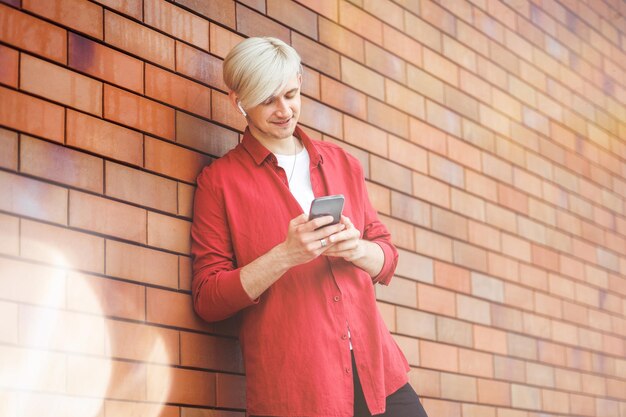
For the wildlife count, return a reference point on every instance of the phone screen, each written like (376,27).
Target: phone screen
(331,205)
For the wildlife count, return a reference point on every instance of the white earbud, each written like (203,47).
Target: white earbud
(241,109)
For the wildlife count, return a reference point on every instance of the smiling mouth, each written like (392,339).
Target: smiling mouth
(282,122)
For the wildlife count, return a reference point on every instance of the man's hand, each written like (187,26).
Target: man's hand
(303,243)
(348,245)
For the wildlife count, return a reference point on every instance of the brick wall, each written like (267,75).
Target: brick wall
(493,136)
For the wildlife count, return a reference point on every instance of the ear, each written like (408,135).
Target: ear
(234,101)
(232,97)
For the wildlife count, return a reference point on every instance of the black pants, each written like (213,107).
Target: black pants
(402,403)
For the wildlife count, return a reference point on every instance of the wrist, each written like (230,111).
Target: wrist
(282,258)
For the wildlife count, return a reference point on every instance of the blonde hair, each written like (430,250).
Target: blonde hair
(257,68)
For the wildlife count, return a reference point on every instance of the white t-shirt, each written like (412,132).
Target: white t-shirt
(300,184)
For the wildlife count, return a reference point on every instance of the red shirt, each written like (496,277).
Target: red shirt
(294,336)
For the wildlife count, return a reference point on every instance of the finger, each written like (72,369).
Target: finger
(346,220)
(348,234)
(325,232)
(316,223)
(301,219)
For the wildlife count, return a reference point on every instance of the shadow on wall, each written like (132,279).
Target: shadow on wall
(59,356)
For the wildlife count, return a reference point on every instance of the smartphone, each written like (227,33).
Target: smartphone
(331,205)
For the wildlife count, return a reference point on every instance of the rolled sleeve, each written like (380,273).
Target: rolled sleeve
(216,287)
(389,266)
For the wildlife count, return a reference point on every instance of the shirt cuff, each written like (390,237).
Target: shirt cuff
(386,273)
(233,292)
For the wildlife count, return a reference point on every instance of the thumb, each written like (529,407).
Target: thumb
(301,219)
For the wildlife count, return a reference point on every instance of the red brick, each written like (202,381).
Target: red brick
(9,60)
(114,408)
(382,115)
(410,209)
(61,164)
(139,342)
(360,22)
(476,363)
(231,390)
(141,264)
(107,217)
(172,309)
(455,332)
(439,356)
(490,340)
(173,161)
(426,382)
(494,392)
(8,149)
(402,46)
(458,387)
(404,99)
(178,91)
(473,310)
(138,40)
(223,112)
(321,117)
(222,11)
(414,266)
(341,40)
(80,15)
(433,244)
(441,408)
(104,138)
(132,8)
(294,16)
(343,97)
(385,62)
(310,83)
(105,63)
(31,115)
(362,134)
(79,250)
(251,23)
(222,40)
(61,85)
(446,170)
(139,187)
(199,65)
(10,231)
(177,22)
(436,300)
(390,174)
(326,8)
(185,199)
(169,233)
(362,78)
(32,34)
(452,277)
(28,197)
(184,272)
(415,323)
(210,352)
(182,386)
(138,112)
(429,189)
(402,292)
(83,289)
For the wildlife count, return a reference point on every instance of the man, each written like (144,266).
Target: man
(313,341)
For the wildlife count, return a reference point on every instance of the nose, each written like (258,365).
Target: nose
(282,107)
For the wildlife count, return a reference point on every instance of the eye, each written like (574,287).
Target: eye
(268,101)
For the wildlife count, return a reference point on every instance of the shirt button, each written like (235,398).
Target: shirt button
(348,371)
(336,298)
(344,337)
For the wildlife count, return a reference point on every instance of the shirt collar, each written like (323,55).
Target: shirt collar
(260,153)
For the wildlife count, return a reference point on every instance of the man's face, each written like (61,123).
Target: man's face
(277,116)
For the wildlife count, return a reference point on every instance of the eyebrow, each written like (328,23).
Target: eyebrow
(290,91)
